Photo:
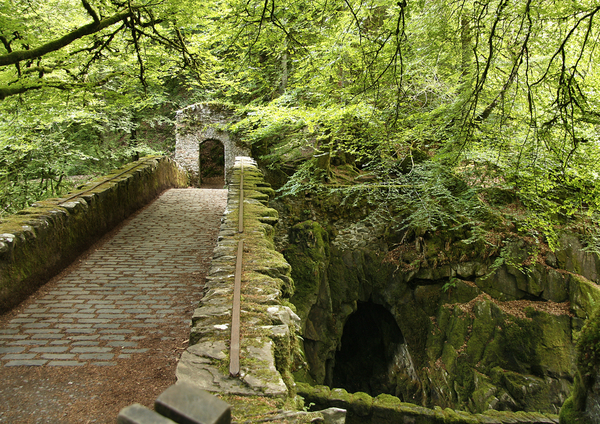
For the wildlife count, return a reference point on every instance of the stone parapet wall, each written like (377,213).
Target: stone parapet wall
(269,328)
(39,241)
(383,409)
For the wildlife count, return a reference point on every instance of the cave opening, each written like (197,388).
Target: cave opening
(371,353)
(212,164)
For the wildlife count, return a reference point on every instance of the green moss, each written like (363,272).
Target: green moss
(308,254)
(519,341)
(584,295)
(570,415)
(340,398)
(588,362)
(251,407)
(458,417)
(361,404)
(387,401)
(484,395)
(482,329)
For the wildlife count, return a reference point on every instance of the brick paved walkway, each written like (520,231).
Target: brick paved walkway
(140,283)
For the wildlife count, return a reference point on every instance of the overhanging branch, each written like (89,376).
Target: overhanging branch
(17,56)
(12,90)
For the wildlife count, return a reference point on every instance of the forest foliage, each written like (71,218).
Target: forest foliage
(444,110)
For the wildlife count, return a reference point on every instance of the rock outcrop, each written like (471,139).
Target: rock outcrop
(480,331)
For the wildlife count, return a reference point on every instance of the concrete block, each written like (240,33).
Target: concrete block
(188,404)
(138,414)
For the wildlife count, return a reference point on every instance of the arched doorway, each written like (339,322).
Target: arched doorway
(212,164)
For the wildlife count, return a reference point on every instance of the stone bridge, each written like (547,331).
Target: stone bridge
(41,240)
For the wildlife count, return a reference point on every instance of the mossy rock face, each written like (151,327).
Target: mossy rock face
(570,415)
(307,254)
(584,403)
(462,309)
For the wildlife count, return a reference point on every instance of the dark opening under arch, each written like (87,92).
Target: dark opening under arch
(212,164)
(366,359)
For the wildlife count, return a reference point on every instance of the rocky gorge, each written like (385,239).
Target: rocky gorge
(432,320)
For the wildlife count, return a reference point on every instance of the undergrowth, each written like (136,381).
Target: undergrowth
(421,189)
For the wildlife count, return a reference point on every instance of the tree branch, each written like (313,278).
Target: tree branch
(17,56)
(90,10)
(8,91)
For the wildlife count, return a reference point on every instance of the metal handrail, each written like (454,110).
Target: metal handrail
(234,348)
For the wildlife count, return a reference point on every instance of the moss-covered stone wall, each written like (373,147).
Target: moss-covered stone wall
(269,327)
(385,409)
(39,241)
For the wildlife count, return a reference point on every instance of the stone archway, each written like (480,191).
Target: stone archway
(199,123)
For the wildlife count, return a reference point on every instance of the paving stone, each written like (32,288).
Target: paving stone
(47,336)
(49,349)
(35,310)
(80,316)
(113,337)
(114,316)
(61,310)
(96,356)
(22,320)
(42,330)
(80,330)
(86,343)
(141,350)
(86,337)
(91,349)
(19,356)
(26,363)
(13,349)
(95,321)
(58,356)
(27,342)
(122,344)
(66,363)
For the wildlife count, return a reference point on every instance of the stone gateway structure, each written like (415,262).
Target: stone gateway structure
(199,123)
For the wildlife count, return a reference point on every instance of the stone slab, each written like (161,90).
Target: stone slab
(188,404)
(138,414)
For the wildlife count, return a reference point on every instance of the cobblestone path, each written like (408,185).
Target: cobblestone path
(138,287)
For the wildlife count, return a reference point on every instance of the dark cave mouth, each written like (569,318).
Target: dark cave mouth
(370,356)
